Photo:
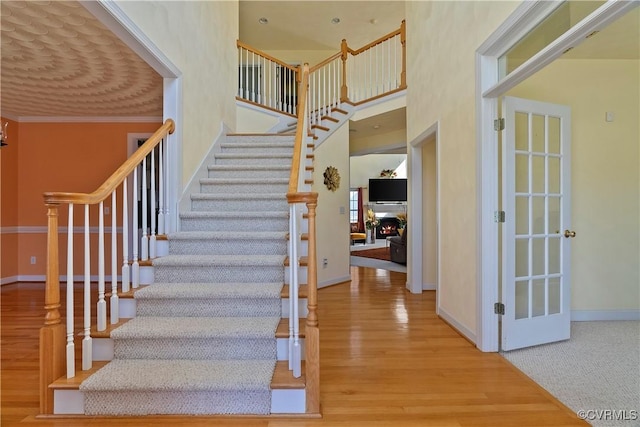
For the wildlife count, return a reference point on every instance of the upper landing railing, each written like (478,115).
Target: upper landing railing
(352,76)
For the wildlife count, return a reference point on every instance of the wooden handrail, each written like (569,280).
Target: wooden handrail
(373,43)
(265,55)
(297,148)
(53,198)
(325,62)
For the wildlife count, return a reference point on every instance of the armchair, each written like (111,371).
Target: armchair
(398,248)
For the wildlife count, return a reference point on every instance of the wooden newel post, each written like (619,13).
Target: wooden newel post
(403,42)
(52,334)
(344,97)
(312,331)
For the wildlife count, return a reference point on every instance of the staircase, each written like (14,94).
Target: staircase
(203,339)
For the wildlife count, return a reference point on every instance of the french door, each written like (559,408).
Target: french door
(537,232)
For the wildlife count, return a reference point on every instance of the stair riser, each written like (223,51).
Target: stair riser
(178,402)
(256,149)
(239,160)
(219,274)
(239,205)
(243,173)
(228,247)
(223,307)
(196,349)
(230,188)
(234,224)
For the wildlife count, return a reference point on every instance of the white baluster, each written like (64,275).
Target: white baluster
(87,356)
(292,212)
(144,242)
(71,348)
(246,75)
(152,207)
(101,308)
(240,72)
(126,272)
(135,267)
(113,302)
(161,228)
(297,354)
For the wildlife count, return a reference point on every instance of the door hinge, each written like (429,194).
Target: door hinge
(498,124)
(498,308)
(499,216)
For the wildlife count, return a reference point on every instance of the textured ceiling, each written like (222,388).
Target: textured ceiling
(58,60)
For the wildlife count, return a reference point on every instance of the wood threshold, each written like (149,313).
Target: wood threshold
(331,119)
(303,261)
(64,383)
(128,294)
(339,110)
(324,128)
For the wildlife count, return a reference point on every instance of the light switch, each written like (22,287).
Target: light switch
(342,210)
(609,116)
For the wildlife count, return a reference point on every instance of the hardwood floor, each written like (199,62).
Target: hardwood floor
(386,360)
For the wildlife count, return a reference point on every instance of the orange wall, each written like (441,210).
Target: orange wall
(71,157)
(8,195)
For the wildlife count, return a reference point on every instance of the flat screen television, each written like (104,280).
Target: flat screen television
(387,190)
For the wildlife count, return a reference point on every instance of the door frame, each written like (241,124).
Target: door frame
(489,88)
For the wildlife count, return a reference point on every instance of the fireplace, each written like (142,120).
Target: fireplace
(388,227)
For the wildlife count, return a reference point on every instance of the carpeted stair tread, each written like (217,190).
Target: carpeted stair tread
(220,260)
(264,181)
(254,155)
(233,214)
(249,167)
(239,235)
(182,328)
(181,375)
(237,196)
(210,290)
(266,145)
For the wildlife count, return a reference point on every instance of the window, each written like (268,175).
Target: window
(353,205)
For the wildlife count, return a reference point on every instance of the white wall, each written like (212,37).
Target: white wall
(442,38)
(429,220)
(199,37)
(333,209)
(604,175)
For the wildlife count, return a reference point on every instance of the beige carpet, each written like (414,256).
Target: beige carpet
(597,371)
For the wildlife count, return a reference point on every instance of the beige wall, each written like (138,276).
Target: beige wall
(299,57)
(442,38)
(370,166)
(199,37)
(369,144)
(605,208)
(333,226)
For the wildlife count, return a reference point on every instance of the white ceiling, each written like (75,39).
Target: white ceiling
(58,60)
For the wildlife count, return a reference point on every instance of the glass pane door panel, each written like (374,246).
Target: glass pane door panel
(522,131)
(538,215)
(554,135)
(538,255)
(522,173)
(522,258)
(522,215)
(538,133)
(538,174)
(554,255)
(538,302)
(522,299)
(554,175)
(554,295)
(554,214)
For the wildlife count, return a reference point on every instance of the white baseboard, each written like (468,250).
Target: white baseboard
(466,332)
(8,280)
(429,287)
(334,281)
(595,315)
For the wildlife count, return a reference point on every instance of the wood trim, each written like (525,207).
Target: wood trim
(382,95)
(312,331)
(117,177)
(297,148)
(283,379)
(403,42)
(375,42)
(325,62)
(265,55)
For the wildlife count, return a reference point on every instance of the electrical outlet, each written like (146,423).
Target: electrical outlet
(107,210)
(325,262)
(33,260)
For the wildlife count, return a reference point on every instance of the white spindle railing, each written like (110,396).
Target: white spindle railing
(325,82)
(94,253)
(266,81)
(375,69)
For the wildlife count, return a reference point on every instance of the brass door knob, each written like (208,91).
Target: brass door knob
(568,233)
